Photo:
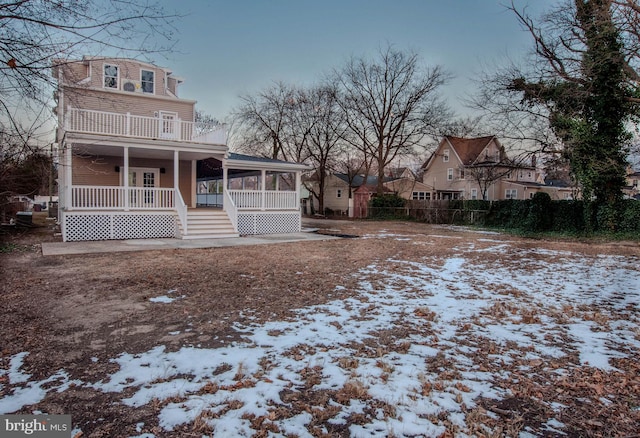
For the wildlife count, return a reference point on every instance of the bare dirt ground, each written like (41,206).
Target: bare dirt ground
(78,312)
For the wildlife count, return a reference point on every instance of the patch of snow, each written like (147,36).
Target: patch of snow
(442,312)
(21,391)
(162,299)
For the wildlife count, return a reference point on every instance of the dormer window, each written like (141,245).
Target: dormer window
(445,155)
(110,76)
(147,81)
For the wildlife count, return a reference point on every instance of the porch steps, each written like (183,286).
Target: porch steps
(208,224)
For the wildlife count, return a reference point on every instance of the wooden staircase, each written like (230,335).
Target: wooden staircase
(207,223)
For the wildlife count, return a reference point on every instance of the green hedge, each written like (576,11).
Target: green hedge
(387,207)
(541,214)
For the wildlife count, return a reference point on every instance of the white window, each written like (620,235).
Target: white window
(474,193)
(450,174)
(146,80)
(421,196)
(339,193)
(445,155)
(461,173)
(110,76)
(511,194)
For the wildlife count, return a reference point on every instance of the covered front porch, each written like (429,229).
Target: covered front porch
(110,190)
(260,195)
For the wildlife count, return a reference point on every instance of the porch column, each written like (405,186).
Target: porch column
(68,177)
(263,191)
(125,178)
(225,175)
(194,187)
(298,187)
(176,173)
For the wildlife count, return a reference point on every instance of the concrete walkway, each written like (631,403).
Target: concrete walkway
(106,246)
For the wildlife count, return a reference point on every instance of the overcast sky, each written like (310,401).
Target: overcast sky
(227,48)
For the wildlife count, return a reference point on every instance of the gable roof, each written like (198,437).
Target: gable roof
(358,180)
(469,149)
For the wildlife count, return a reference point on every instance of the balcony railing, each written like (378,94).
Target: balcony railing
(128,125)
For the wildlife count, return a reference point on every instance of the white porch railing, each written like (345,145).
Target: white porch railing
(127,125)
(119,198)
(267,200)
(231,209)
(181,208)
(150,198)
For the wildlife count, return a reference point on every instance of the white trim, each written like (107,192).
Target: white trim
(259,165)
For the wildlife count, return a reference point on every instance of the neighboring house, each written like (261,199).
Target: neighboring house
(338,193)
(632,187)
(403,183)
(128,153)
(479,168)
(559,190)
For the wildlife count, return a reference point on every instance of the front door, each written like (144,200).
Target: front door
(140,179)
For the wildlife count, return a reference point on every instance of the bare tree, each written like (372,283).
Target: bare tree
(267,124)
(352,163)
(391,104)
(205,122)
(471,126)
(323,129)
(33,33)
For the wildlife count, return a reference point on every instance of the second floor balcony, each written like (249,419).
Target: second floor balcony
(166,126)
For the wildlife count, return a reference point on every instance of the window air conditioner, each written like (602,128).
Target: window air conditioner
(132,86)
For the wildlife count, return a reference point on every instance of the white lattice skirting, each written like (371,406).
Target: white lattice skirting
(118,226)
(269,223)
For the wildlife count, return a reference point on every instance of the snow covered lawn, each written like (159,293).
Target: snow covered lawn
(490,338)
